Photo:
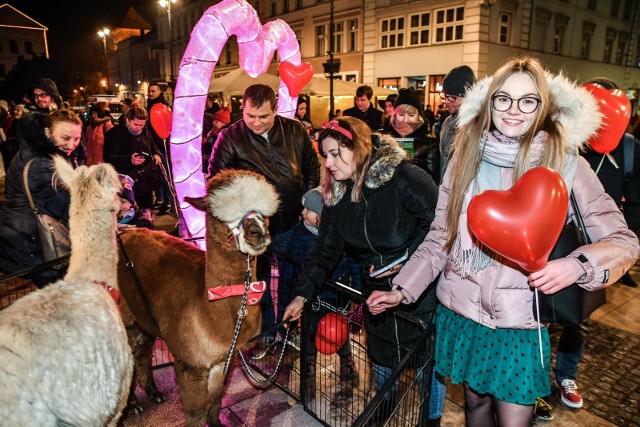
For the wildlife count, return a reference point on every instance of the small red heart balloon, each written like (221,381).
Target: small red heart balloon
(616,112)
(523,223)
(295,76)
(160,117)
(332,333)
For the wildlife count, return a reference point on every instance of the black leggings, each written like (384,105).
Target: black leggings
(479,411)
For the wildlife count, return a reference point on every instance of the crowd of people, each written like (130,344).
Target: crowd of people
(379,184)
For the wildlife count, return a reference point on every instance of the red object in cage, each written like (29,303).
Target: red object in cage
(333,331)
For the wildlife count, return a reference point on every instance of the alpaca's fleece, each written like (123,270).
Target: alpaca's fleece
(64,354)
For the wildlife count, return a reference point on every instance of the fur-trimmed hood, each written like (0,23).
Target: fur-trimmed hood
(386,157)
(573,106)
(31,133)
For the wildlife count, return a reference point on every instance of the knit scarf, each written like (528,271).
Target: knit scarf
(495,173)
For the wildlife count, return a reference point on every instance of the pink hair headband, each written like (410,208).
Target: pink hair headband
(334,125)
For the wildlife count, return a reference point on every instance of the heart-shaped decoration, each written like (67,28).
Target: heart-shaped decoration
(523,223)
(295,76)
(616,112)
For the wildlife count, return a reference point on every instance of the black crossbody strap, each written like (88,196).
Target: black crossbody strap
(579,220)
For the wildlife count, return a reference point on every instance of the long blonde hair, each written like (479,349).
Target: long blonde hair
(362,148)
(468,150)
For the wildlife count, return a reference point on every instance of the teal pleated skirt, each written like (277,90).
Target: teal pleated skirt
(502,362)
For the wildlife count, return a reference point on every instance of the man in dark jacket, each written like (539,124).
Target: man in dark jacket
(155,95)
(279,149)
(365,110)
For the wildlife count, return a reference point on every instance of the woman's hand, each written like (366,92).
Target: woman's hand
(157,159)
(556,275)
(379,301)
(294,309)
(137,159)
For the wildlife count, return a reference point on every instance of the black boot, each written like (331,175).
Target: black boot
(434,422)
(628,281)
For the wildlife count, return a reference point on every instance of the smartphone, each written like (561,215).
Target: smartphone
(390,265)
(145,154)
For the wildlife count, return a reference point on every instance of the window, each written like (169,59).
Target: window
(392,33)
(353,36)
(28,48)
(338,31)
(505,28)
(449,24)
(13,46)
(615,7)
(389,82)
(638,53)
(558,38)
(298,4)
(591,5)
(298,34)
(321,40)
(274,8)
(227,54)
(419,26)
(608,44)
(587,33)
(285,8)
(623,38)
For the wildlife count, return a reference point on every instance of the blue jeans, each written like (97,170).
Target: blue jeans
(570,348)
(286,275)
(438,388)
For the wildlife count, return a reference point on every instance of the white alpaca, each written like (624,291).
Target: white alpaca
(64,355)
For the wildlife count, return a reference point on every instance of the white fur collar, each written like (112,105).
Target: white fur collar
(576,110)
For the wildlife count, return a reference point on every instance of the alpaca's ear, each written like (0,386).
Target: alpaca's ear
(199,203)
(64,170)
(106,175)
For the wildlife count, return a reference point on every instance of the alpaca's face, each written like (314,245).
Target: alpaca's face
(254,235)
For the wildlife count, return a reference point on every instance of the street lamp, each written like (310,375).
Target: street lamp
(167,4)
(332,66)
(104,33)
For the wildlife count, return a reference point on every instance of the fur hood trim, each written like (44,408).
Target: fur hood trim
(233,193)
(574,108)
(385,159)
(31,132)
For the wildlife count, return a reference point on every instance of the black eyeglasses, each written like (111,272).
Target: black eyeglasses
(40,95)
(526,104)
(450,98)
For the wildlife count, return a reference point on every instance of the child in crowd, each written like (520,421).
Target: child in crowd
(129,215)
(304,236)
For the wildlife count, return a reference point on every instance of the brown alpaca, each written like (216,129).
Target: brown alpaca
(175,277)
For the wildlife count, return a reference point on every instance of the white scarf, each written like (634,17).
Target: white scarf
(495,173)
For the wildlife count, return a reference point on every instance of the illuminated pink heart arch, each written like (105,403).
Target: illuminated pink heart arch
(256,44)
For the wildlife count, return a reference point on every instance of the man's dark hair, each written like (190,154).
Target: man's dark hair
(258,94)
(364,91)
(128,102)
(156,84)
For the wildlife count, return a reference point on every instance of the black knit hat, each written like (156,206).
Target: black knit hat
(458,80)
(408,97)
(46,85)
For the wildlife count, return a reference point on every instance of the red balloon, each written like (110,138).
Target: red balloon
(523,223)
(333,331)
(616,112)
(160,117)
(295,76)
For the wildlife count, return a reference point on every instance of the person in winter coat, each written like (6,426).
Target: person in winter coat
(40,137)
(487,335)
(378,208)
(99,124)
(220,120)
(364,109)
(131,150)
(408,124)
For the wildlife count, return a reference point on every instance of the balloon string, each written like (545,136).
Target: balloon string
(600,164)
(535,296)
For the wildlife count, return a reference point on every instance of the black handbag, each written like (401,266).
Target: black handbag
(53,235)
(573,304)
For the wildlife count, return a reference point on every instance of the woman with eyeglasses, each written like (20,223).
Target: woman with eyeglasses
(487,336)
(378,208)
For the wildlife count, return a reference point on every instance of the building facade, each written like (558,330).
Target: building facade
(20,36)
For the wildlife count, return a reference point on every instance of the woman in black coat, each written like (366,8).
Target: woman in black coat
(40,137)
(378,207)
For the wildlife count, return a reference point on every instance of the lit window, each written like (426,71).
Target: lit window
(321,40)
(338,31)
(353,35)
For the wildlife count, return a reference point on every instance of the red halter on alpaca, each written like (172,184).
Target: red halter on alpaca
(256,290)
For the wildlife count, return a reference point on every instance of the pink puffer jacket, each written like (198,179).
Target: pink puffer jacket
(499,296)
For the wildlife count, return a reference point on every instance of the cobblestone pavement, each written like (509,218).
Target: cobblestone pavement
(609,375)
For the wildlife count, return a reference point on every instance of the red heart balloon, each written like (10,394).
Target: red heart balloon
(523,223)
(295,76)
(160,117)
(332,333)
(616,112)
